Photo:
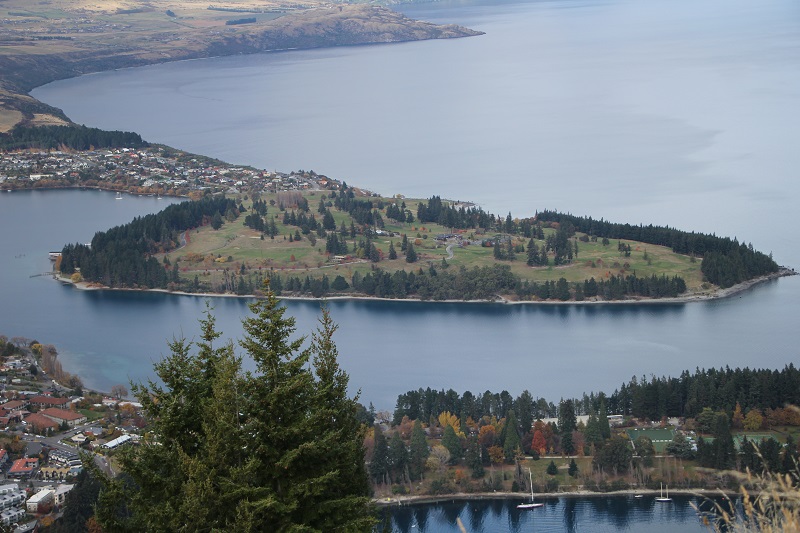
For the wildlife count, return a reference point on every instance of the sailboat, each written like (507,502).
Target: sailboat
(119,196)
(663,498)
(531,505)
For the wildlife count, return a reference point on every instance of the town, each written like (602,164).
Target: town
(48,432)
(155,170)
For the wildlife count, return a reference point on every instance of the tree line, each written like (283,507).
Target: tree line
(718,389)
(73,137)
(763,392)
(123,256)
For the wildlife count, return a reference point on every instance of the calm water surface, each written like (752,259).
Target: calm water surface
(601,514)
(109,337)
(676,112)
(672,112)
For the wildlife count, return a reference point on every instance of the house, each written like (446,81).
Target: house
(43,402)
(14,405)
(7,488)
(54,472)
(61,415)
(11,516)
(110,402)
(23,468)
(79,439)
(12,499)
(33,449)
(94,431)
(41,502)
(117,442)
(61,493)
(41,424)
(64,458)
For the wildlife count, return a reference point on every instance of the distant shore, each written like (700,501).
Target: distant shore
(399,501)
(712,294)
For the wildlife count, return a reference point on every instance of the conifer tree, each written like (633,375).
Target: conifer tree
(278,449)
(379,466)
(511,443)
(419,451)
(473,457)
(411,254)
(453,444)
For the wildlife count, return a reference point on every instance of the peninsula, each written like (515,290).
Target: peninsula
(313,236)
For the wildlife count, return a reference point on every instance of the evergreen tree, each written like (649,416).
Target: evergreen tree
(473,457)
(419,451)
(392,252)
(512,441)
(280,448)
(552,469)
(724,451)
(78,505)
(533,254)
(398,457)
(411,254)
(573,468)
(453,444)
(379,465)
(328,222)
(605,428)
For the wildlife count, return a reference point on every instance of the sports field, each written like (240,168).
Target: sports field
(660,436)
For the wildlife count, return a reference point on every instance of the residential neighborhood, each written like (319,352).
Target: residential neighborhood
(146,171)
(48,432)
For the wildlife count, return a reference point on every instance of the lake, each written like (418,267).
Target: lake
(668,112)
(672,112)
(568,514)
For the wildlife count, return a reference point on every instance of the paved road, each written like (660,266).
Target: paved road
(99,460)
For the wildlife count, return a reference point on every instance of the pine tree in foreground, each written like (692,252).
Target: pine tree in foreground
(278,449)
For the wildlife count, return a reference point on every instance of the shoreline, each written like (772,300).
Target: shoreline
(716,294)
(400,501)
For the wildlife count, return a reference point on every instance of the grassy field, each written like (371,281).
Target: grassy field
(209,252)
(660,436)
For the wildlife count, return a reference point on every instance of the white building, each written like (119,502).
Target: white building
(116,442)
(12,516)
(12,499)
(39,500)
(9,487)
(61,493)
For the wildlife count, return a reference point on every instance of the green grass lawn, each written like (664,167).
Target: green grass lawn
(90,415)
(660,436)
(233,245)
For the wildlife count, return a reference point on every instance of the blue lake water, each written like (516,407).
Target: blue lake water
(672,112)
(678,113)
(588,514)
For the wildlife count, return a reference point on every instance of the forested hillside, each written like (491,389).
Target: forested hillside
(70,137)
(123,255)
